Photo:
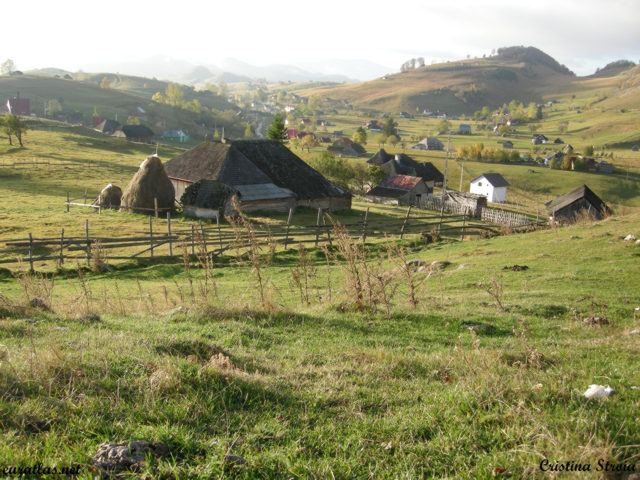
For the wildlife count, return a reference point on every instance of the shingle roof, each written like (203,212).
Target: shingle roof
(132,131)
(568,198)
(380,191)
(494,179)
(252,162)
(402,182)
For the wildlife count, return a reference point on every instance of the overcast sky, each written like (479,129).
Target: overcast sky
(78,34)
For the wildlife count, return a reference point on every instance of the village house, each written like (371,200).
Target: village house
(464,129)
(398,190)
(401,164)
(265,174)
(491,185)
(18,106)
(107,126)
(177,136)
(429,143)
(581,201)
(135,133)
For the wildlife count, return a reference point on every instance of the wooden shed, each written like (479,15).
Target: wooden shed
(399,190)
(581,201)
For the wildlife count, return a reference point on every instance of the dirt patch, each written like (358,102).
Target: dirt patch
(596,321)
(516,268)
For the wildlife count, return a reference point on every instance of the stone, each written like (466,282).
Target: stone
(234,460)
(118,457)
(596,320)
(38,303)
(630,238)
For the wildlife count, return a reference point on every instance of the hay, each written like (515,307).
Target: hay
(149,182)
(110,197)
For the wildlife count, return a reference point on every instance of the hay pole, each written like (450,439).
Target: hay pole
(193,245)
(169,233)
(204,238)
(286,235)
(61,259)
(364,225)
(150,237)
(219,231)
(68,202)
(464,218)
(406,219)
(155,205)
(30,253)
(86,233)
(318,225)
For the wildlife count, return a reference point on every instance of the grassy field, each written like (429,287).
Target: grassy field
(481,376)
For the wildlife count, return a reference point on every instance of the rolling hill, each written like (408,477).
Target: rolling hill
(463,87)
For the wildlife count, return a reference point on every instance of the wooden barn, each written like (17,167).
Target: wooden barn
(399,190)
(581,201)
(265,173)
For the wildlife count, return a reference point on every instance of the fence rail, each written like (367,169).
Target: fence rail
(216,239)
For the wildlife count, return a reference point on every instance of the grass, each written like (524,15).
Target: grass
(321,389)
(333,362)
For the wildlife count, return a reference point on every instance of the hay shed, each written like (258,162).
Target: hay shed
(149,183)
(208,199)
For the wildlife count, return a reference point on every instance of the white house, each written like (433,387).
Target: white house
(491,185)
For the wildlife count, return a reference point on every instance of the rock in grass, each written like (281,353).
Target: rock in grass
(234,460)
(118,457)
(598,391)
(38,303)
(90,318)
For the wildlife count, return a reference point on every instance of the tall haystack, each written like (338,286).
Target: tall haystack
(150,182)
(110,197)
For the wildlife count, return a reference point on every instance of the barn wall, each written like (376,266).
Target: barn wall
(274,205)
(179,186)
(327,203)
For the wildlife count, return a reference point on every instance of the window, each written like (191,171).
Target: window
(479,184)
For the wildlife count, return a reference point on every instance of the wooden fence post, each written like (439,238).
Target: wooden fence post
(464,218)
(86,232)
(150,237)
(286,235)
(85,196)
(219,231)
(406,219)
(364,225)
(155,205)
(68,202)
(30,253)
(324,222)
(169,233)
(204,237)
(61,259)
(318,225)
(193,238)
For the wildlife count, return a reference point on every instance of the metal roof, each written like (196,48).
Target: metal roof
(262,191)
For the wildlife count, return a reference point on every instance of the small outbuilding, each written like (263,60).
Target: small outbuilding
(399,190)
(491,185)
(581,201)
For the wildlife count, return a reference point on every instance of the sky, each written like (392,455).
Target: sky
(81,35)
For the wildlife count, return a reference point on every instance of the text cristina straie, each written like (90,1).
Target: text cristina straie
(601,465)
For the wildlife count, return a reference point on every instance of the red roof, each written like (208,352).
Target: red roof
(19,106)
(402,182)
(292,133)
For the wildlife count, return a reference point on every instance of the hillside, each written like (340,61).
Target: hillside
(125,96)
(465,86)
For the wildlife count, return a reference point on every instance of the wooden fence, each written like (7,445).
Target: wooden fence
(216,239)
(492,215)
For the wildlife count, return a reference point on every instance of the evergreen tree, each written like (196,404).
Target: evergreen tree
(277,130)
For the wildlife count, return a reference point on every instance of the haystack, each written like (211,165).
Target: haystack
(110,197)
(150,182)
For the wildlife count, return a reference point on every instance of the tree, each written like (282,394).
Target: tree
(174,94)
(95,112)
(563,126)
(389,127)
(105,82)
(444,126)
(53,107)
(393,140)
(131,120)
(360,136)
(7,67)
(588,150)
(315,102)
(277,130)
(247,131)
(159,97)
(4,126)
(308,141)
(14,126)
(381,139)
